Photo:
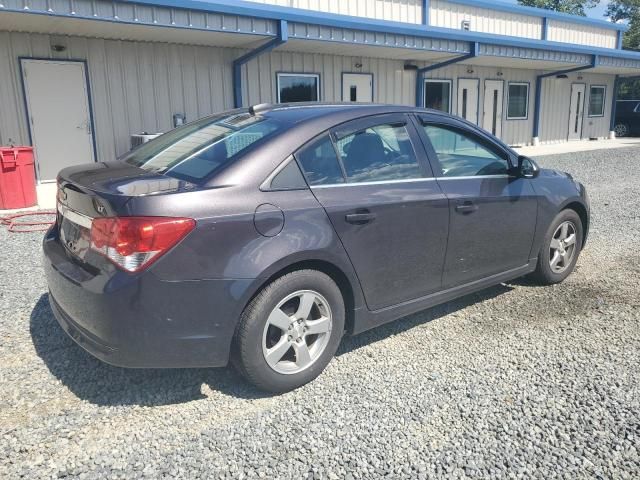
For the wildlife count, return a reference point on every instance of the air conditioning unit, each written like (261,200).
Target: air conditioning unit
(140,138)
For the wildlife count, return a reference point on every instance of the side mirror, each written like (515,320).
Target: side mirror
(527,168)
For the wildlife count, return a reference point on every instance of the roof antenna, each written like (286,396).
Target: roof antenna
(253,109)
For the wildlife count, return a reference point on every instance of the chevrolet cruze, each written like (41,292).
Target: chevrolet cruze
(264,235)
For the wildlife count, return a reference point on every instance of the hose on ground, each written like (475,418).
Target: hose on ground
(17,223)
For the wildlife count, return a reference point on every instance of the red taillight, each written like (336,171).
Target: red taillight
(133,243)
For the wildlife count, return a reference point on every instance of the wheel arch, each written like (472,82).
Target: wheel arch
(350,294)
(582,212)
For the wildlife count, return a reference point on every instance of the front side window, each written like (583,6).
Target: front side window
(320,162)
(195,151)
(596,100)
(298,87)
(461,154)
(437,95)
(518,102)
(378,153)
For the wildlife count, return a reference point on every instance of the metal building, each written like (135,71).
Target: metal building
(79,77)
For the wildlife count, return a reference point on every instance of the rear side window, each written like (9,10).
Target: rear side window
(199,149)
(320,163)
(378,153)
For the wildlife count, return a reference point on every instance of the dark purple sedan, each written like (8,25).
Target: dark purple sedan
(264,235)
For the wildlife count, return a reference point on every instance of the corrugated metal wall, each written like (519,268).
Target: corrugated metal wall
(391,83)
(135,86)
(513,131)
(450,15)
(138,86)
(556,93)
(581,34)
(409,11)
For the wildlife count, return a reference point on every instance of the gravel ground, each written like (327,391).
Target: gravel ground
(517,381)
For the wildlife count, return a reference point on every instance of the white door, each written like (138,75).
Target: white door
(59,115)
(468,99)
(492,107)
(576,111)
(357,87)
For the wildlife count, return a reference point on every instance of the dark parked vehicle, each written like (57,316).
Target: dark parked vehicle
(264,235)
(627,118)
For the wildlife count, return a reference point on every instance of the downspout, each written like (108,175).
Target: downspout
(425,12)
(283,35)
(539,78)
(473,53)
(614,104)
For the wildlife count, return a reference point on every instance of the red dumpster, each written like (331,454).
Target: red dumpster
(17,177)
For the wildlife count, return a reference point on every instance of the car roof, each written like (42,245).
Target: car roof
(299,112)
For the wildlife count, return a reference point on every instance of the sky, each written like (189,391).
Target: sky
(596,12)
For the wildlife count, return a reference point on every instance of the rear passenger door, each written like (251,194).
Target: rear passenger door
(375,183)
(492,212)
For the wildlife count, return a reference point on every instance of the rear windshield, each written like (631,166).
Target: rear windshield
(195,151)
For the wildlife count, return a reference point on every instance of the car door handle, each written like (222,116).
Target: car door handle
(466,207)
(360,218)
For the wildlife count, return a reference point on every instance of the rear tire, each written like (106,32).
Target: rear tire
(290,331)
(560,249)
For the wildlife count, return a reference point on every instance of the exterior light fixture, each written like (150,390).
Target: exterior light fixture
(499,73)
(562,76)
(470,70)
(358,65)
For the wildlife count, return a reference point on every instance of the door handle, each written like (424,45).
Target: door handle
(466,207)
(360,218)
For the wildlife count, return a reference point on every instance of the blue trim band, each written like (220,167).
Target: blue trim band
(539,78)
(283,36)
(473,52)
(540,12)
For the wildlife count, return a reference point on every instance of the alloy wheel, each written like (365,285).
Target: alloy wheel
(297,332)
(563,247)
(621,130)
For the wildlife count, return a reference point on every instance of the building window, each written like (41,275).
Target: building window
(518,101)
(298,87)
(437,95)
(596,100)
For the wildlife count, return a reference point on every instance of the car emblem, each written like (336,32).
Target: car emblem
(99,207)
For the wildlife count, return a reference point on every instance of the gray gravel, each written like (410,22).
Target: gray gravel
(514,382)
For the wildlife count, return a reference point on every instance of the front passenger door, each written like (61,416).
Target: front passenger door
(492,213)
(384,204)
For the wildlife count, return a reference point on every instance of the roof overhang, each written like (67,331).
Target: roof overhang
(247,24)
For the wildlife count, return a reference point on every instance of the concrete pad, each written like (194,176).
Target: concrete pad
(577,146)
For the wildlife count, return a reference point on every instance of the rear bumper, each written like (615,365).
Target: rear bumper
(140,320)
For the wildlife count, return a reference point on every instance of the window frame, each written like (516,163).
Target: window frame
(359,124)
(477,135)
(604,101)
(448,81)
(296,74)
(526,108)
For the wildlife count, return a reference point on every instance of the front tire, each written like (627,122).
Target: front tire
(561,247)
(290,331)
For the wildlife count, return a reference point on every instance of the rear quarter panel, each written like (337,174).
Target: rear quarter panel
(227,245)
